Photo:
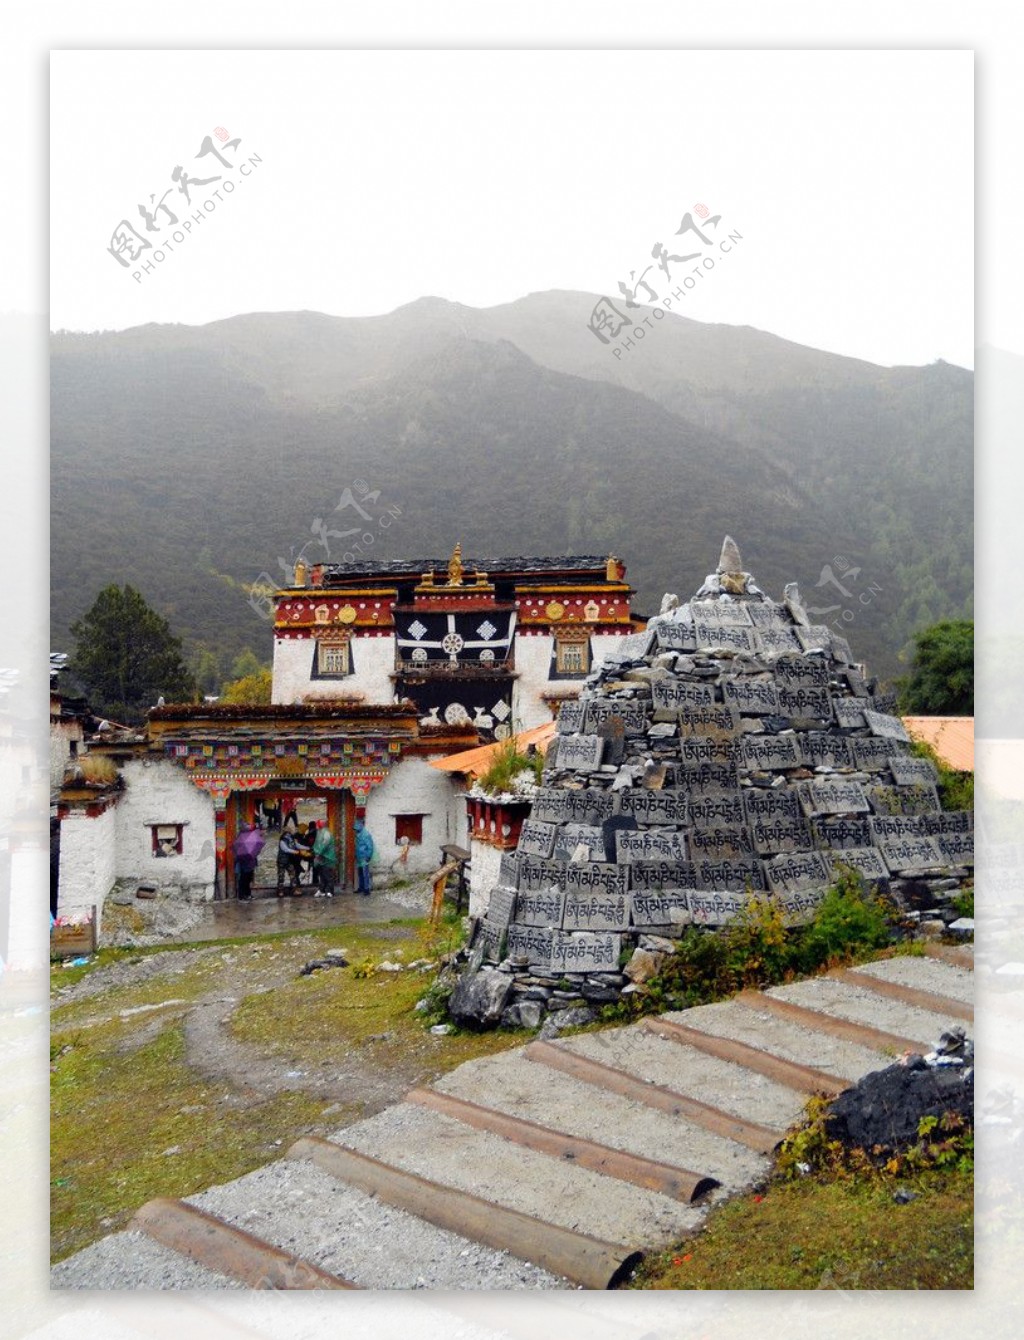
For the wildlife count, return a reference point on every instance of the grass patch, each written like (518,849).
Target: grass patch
(115,1112)
(814,1234)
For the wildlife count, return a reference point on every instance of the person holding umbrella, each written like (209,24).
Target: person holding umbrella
(247,848)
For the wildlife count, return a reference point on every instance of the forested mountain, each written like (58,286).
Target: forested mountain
(189,460)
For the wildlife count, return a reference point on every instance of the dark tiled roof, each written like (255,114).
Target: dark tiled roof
(415,566)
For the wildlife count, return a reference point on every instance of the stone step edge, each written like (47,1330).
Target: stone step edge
(227,1250)
(576,1257)
(664,1178)
(819,1021)
(909,995)
(791,1074)
(761,1139)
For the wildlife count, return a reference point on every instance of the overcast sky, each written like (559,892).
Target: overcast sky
(481,176)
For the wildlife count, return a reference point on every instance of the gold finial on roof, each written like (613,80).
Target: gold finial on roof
(455,566)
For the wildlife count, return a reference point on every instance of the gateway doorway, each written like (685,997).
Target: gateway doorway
(294,809)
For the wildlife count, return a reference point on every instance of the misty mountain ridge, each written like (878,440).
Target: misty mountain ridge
(190,459)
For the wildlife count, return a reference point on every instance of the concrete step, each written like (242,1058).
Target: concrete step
(132,1260)
(513,1085)
(925,974)
(446,1151)
(860,1005)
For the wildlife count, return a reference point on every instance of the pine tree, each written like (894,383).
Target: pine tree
(126,656)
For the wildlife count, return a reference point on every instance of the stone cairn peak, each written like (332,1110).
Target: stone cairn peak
(732,749)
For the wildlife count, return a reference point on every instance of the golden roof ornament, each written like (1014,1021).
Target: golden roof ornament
(455,566)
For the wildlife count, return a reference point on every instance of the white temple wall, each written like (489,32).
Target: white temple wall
(87,861)
(413,787)
(533,665)
(157,791)
(372,660)
(485,863)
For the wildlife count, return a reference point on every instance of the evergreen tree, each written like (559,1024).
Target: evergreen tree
(126,656)
(941,680)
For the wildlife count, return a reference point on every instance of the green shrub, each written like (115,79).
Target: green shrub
(847,922)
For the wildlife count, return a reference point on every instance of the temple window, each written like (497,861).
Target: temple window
(333,658)
(572,658)
(409,828)
(166,839)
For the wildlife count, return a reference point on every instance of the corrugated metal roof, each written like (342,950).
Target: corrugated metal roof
(475,762)
(952,738)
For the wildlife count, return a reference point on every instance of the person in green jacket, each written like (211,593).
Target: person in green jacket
(325,861)
(365,850)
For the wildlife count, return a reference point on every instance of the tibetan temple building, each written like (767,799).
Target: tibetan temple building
(379,669)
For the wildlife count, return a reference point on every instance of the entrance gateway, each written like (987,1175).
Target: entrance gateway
(309,803)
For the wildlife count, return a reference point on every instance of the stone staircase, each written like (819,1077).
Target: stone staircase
(553,1166)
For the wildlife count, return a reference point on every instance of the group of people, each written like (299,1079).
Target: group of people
(298,850)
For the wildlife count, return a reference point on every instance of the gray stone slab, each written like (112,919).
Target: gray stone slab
(826,748)
(721,613)
(726,637)
(597,877)
(635,646)
(763,805)
(797,870)
(805,704)
(662,907)
(907,770)
(768,614)
(779,641)
(508,869)
(537,873)
(873,753)
(673,695)
(886,827)
(849,712)
(716,721)
(710,809)
(530,942)
(675,637)
(832,798)
(956,848)
(709,907)
(649,876)
(724,842)
(729,875)
(854,681)
(664,807)
(579,753)
(571,836)
(766,753)
(699,777)
(911,853)
(571,716)
(536,838)
(781,834)
(843,833)
(585,951)
(750,694)
(885,700)
(889,727)
(646,844)
(501,905)
(867,861)
(596,912)
(540,907)
(561,806)
(697,750)
(801,672)
(798,906)
(951,821)
(912,799)
(632,712)
(815,638)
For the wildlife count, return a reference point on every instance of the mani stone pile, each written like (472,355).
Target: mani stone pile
(733,748)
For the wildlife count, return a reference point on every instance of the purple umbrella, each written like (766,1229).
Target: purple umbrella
(249,842)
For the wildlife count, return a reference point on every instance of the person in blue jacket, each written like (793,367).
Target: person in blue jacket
(365,851)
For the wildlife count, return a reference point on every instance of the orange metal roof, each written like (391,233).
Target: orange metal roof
(952,738)
(475,762)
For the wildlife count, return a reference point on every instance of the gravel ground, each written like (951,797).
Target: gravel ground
(298,1207)
(132,1260)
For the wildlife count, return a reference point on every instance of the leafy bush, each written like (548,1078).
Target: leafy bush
(847,922)
(506,766)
